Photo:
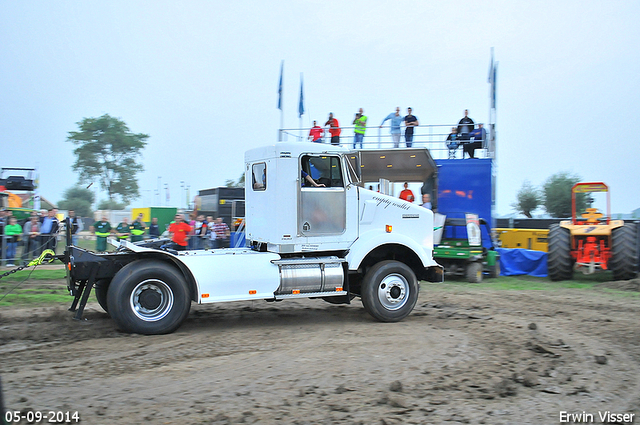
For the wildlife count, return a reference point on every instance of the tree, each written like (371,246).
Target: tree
(108,204)
(78,199)
(557,195)
(108,151)
(235,183)
(528,199)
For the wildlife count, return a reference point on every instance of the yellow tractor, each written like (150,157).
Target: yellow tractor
(592,242)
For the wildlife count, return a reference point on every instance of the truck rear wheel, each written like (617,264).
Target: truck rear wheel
(389,291)
(624,252)
(559,260)
(100,289)
(148,297)
(474,272)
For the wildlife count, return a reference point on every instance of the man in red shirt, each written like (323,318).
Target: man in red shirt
(316,133)
(407,194)
(179,231)
(334,129)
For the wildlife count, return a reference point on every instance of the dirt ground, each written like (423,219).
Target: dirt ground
(464,355)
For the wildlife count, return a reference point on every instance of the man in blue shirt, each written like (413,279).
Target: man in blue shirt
(49,230)
(396,121)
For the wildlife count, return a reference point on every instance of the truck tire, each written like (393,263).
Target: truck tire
(474,272)
(100,289)
(148,297)
(389,291)
(624,252)
(559,260)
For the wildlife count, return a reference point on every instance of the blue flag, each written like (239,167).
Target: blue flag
(301,105)
(280,86)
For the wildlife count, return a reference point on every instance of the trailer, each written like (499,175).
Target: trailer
(329,239)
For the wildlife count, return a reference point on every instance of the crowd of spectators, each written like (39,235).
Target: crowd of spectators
(40,232)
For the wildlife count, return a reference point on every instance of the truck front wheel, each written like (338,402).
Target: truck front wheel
(148,297)
(389,291)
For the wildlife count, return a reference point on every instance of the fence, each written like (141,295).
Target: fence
(431,136)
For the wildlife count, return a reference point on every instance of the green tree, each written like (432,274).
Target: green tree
(557,195)
(108,204)
(528,199)
(78,199)
(109,152)
(235,183)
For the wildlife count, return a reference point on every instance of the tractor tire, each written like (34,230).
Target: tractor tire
(494,271)
(101,289)
(559,260)
(148,297)
(389,291)
(474,272)
(624,252)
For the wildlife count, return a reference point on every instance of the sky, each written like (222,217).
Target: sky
(201,79)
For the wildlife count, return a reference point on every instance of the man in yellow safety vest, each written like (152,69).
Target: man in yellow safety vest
(360,122)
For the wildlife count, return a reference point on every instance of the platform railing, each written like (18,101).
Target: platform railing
(430,136)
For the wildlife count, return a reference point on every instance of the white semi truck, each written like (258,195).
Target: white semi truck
(333,241)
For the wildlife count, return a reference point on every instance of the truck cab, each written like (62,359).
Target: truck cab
(330,239)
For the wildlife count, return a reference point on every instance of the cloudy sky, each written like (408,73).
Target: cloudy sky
(201,78)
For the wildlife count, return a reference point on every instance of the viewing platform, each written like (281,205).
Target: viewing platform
(432,137)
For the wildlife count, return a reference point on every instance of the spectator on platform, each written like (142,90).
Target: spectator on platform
(465,126)
(316,133)
(360,123)
(478,135)
(396,122)
(334,129)
(452,142)
(410,121)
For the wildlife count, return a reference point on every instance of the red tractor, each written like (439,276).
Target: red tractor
(592,242)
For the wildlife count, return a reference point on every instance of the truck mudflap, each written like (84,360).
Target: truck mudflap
(434,274)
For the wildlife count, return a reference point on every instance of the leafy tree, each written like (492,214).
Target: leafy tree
(235,183)
(108,204)
(528,199)
(78,199)
(108,151)
(557,195)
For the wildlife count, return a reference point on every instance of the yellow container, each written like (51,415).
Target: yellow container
(146,214)
(535,239)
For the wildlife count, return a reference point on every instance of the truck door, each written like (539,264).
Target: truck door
(322,211)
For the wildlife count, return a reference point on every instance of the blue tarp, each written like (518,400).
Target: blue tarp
(519,261)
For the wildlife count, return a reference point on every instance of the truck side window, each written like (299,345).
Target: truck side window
(259,176)
(325,170)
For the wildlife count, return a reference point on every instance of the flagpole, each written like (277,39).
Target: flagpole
(280,102)
(301,109)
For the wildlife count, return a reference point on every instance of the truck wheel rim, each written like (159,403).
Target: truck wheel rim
(151,300)
(393,291)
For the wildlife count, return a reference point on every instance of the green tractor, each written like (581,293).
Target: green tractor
(460,248)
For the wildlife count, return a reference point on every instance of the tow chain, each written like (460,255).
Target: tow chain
(46,257)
